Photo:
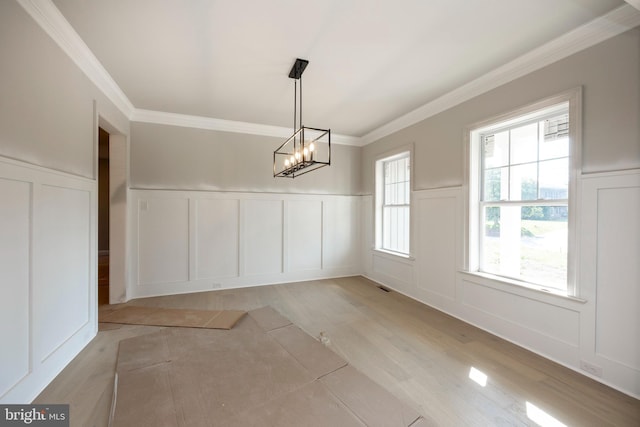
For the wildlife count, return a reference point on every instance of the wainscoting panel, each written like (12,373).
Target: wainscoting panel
(341,248)
(217,222)
(393,270)
(263,227)
(61,293)
(437,223)
(594,333)
(367,239)
(304,235)
(164,240)
(618,279)
(228,240)
(513,314)
(610,276)
(15,225)
(48,253)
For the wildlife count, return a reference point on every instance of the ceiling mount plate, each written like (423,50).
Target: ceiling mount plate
(298,68)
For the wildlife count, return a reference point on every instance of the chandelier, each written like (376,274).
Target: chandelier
(308,148)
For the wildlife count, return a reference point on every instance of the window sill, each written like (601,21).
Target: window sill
(520,288)
(393,255)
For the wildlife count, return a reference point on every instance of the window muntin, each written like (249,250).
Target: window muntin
(394,183)
(523,201)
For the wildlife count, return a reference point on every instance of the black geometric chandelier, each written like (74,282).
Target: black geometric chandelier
(308,148)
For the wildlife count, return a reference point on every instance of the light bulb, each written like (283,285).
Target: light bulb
(297,155)
(311,147)
(292,160)
(306,153)
(286,163)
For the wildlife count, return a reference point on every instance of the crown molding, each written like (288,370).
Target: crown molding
(199,122)
(47,15)
(634,3)
(600,29)
(619,20)
(51,20)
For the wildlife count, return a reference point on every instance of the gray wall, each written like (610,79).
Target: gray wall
(179,158)
(610,76)
(46,102)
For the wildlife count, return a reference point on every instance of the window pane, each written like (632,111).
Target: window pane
(496,150)
(554,179)
(401,170)
(396,184)
(393,228)
(392,194)
(386,227)
(402,192)
(407,193)
(490,252)
(404,246)
(524,182)
(496,184)
(393,172)
(395,212)
(552,148)
(556,127)
(544,245)
(396,228)
(524,144)
(526,243)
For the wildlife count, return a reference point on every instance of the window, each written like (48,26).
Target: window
(521,196)
(393,185)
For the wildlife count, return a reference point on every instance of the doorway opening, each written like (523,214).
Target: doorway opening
(104,202)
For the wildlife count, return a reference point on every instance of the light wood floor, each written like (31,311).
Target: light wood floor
(421,355)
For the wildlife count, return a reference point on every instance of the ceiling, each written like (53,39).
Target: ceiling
(371,61)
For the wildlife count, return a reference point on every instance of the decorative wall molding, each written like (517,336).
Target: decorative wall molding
(45,13)
(192,241)
(610,226)
(600,29)
(199,122)
(634,3)
(569,331)
(47,304)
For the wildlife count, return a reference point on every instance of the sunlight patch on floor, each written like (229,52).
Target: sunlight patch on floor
(541,418)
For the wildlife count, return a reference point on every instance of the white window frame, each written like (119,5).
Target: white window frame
(405,151)
(473,182)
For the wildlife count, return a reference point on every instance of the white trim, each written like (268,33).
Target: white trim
(634,3)
(200,122)
(619,20)
(472,172)
(609,25)
(281,271)
(46,359)
(44,169)
(390,155)
(51,20)
(385,253)
(518,287)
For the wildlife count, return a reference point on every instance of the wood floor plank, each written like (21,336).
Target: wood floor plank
(422,356)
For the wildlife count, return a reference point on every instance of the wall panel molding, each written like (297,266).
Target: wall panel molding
(609,276)
(598,327)
(600,29)
(48,253)
(242,239)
